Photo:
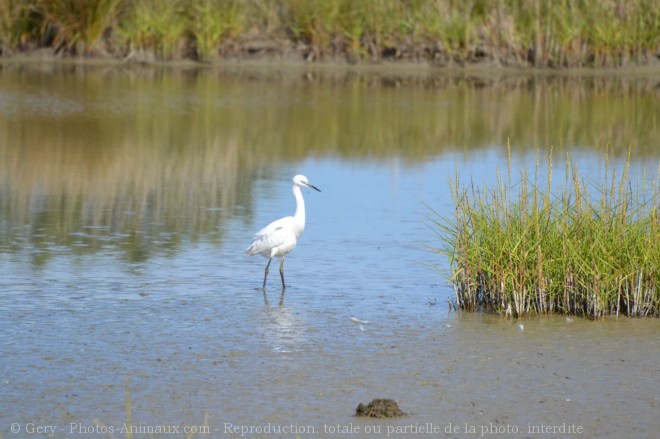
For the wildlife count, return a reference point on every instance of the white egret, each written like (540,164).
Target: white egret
(280,237)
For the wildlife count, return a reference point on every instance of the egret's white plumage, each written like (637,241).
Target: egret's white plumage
(280,237)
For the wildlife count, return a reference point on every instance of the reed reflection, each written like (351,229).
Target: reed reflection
(144,159)
(140,199)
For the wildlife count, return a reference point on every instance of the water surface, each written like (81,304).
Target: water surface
(127,197)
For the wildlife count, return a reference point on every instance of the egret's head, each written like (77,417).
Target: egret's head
(301,181)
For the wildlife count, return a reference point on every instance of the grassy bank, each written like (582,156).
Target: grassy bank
(566,33)
(588,249)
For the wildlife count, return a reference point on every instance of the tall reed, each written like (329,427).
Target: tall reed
(153,29)
(213,20)
(77,25)
(587,249)
(16,24)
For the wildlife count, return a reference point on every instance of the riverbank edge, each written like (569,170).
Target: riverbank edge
(46,56)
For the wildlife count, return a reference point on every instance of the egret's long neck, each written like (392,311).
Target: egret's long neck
(300,206)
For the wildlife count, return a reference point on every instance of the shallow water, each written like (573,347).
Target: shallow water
(127,197)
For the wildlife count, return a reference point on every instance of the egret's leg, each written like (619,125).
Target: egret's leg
(266,273)
(282,272)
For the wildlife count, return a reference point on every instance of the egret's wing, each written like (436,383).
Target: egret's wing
(271,236)
(272,227)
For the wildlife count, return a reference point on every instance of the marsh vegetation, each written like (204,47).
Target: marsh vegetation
(583,247)
(566,33)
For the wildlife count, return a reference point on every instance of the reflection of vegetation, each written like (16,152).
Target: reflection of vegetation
(529,251)
(129,176)
(145,159)
(521,32)
(137,198)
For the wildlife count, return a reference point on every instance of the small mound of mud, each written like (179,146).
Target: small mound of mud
(379,408)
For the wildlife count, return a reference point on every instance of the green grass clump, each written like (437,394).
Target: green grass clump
(589,250)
